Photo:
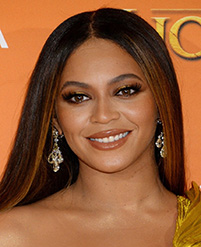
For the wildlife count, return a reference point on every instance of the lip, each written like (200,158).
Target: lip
(110,145)
(107,133)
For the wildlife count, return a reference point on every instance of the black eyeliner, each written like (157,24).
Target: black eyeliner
(136,87)
(69,96)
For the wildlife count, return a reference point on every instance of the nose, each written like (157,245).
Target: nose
(104,111)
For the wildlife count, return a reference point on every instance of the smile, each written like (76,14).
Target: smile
(110,138)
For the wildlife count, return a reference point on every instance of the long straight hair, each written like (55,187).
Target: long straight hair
(28,177)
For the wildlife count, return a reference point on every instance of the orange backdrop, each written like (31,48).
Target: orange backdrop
(25,25)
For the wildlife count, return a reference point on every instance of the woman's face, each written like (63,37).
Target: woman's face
(105,108)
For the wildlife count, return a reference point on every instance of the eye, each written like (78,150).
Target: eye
(75,98)
(128,91)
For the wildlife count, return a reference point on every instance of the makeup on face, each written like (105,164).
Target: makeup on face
(110,139)
(105,108)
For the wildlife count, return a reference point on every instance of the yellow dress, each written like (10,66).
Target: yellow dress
(188,227)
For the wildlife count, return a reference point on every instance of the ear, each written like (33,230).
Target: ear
(57,125)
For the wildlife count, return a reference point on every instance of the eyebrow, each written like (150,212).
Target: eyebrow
(75,83)
(113,81)
(123,77)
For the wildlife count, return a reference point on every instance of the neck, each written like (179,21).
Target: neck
(133,186)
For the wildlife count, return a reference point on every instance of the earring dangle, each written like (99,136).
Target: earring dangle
(160,143)
(55,157)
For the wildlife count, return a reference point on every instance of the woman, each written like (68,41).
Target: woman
(98,156)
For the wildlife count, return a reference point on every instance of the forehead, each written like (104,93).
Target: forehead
(99,58)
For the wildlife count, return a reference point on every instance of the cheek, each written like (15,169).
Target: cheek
(143,112)
(71,121)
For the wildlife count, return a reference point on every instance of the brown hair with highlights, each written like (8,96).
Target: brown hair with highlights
(28,176)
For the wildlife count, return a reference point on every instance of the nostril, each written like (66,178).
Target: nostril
(105,115)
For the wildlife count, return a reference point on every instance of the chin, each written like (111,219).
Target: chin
(109,167)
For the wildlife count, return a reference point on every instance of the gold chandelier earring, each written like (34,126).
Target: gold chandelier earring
(160,143)
(55,157)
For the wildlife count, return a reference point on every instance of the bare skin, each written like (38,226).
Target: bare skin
(67,220)
(118,199)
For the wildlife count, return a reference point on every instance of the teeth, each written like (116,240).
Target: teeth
(105,140)
(116,138)
(110,138)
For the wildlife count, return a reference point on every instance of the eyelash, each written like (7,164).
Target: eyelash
(71,97)
(128,91)
(124,92)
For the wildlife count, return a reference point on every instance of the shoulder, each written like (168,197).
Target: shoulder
(13,227)
(18,224)
(189,218)
(30,225)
